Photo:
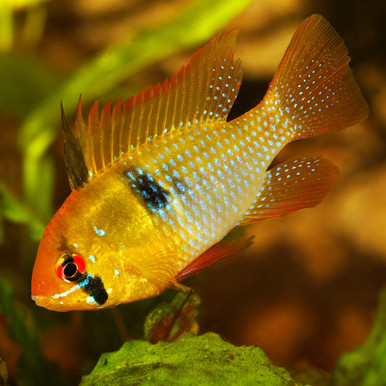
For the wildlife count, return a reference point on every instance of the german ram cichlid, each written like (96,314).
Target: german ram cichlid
(158,182)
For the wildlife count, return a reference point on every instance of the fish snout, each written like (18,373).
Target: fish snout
(41,301)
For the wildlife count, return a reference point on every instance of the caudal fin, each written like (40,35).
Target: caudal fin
(314,87)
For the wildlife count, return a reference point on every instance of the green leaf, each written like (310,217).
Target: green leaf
(25,81)
(190,360)
(366,366)
(168,321)
(197,23)
(15,211)
(6,26)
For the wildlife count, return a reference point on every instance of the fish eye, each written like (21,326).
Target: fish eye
(70,267)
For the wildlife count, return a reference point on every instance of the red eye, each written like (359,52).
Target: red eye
(71,268)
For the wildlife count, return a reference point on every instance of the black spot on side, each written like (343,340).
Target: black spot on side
(94,287)
(148,190)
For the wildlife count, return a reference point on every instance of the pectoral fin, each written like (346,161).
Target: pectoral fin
(296,184)
(159,270)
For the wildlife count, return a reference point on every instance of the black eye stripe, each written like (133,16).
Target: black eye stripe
(93,286)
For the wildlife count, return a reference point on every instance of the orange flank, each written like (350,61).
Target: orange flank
(158,181)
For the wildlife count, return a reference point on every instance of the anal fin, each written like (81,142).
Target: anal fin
(214,254)
(296,184)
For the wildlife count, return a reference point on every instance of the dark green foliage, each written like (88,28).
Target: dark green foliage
(24,80)
(366,366)
(15,211)
(33,368)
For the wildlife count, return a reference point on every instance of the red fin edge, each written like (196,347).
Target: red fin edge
(214,254)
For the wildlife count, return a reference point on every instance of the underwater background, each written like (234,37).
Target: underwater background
(306,292)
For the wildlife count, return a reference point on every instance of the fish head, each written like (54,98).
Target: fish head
(63,276)
(77,268)
(57,277)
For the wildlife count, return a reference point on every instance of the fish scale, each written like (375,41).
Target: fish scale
(158,181)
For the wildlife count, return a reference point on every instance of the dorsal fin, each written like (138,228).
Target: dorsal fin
(203,91)
(73,157)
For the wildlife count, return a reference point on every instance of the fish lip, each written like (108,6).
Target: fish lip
(41,301)
(45,302)
(35,298)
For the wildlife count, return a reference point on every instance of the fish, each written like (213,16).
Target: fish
(158,181)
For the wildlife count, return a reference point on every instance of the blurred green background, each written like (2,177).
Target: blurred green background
(307,289)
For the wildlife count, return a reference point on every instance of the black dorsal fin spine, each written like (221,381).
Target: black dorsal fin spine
(76,167)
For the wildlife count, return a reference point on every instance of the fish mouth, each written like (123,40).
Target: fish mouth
(41,301)
(46,302)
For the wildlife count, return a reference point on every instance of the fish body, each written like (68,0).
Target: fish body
(157,183)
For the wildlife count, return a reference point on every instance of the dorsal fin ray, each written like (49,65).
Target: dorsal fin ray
(73,156)
(201,92)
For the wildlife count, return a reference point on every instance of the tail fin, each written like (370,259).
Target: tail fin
(314,86)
